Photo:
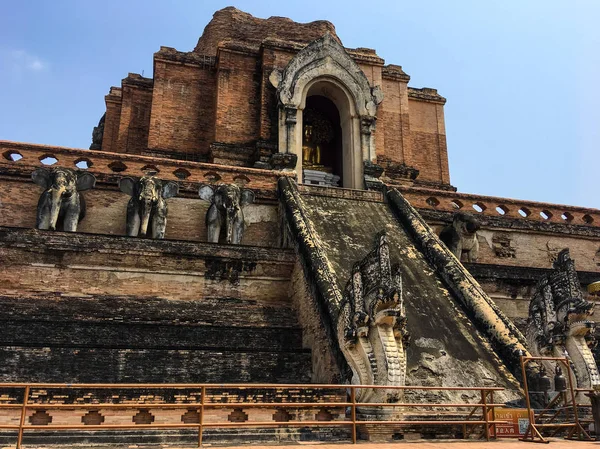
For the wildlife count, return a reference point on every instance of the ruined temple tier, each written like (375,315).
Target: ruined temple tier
(256,89)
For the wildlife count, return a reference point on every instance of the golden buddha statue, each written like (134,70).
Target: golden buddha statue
(311,150)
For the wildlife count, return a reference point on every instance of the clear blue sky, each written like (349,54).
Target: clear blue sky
(521,76)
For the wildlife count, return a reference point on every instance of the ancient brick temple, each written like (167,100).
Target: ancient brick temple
(275,207)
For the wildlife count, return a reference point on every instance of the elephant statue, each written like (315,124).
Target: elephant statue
(147,205)
(461,236)
(61,202)
(226,211)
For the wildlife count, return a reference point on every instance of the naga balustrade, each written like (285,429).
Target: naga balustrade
(211,396)
(490,206)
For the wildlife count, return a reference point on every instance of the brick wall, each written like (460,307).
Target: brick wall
(271,58)
(393,122)
(238,97)
(507,246)
(107,205)
(198,99)
(89,308)
(221,94)
(183,98)
(112,120)
(314,337)
(231,23)
(428,141)
(134,123)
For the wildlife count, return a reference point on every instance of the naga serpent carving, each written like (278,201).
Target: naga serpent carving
(371,327)
(558,323)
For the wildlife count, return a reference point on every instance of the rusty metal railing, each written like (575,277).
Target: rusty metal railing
(574,427)
(562,404)
(351,419)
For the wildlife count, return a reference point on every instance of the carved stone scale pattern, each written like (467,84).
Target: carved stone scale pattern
(372,325)
(558,323)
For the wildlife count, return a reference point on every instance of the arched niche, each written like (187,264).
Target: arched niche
(324,68)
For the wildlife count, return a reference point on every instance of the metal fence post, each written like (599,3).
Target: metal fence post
(23,414)
(353,412)
(486,417)
(201,417)
(493,414)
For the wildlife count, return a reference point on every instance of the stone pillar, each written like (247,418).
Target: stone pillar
(367,126)
(291,119)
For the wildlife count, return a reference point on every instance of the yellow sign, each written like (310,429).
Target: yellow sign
(516,420)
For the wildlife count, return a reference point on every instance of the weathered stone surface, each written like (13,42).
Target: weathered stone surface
(515,251)
(115,311)
(99,365)
(98,134)
(97,306)
(314,335)
(520,214)
(232,24)
(61,205)
(147,208)
(106,212)
(173,310)
(372,327)
(92,265)
(512,287)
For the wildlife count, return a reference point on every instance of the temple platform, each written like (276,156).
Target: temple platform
(556,443)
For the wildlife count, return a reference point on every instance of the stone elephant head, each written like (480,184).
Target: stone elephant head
(225,211)
(147,207)
(461,236)
(61,203)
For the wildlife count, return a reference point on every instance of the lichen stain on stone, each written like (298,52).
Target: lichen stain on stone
(411,252)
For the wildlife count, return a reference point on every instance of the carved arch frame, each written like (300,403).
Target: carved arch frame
(325,68)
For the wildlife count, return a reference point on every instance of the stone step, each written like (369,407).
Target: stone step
(230,312)
(178,438)
(56,338)
(81,365)
(148,336)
